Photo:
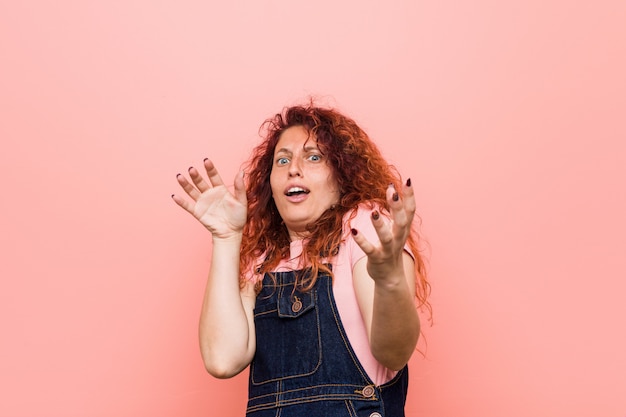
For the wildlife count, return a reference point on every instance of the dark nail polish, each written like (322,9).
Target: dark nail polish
(395,197)
(205,159)
(375,215)
(354,232)
(408,182)
(178,175)
(190,168)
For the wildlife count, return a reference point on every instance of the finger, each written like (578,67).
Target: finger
(211,171)
(383,229)
(189,189)
(396,206)
(198,181)
(401,214)
(408,195)
(240,189)
(367,246)
(186,205)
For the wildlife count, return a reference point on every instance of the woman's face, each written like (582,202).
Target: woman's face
(302,181)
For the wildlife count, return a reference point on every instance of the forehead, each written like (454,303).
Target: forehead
(293,138)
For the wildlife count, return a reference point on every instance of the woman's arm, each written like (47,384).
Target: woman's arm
(226,330)
(385,284)
(388,309)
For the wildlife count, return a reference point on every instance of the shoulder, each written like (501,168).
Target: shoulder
(359,218)
(362,212)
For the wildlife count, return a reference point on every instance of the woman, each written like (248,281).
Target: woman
(315,273)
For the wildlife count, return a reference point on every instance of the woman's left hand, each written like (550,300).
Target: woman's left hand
(384,261)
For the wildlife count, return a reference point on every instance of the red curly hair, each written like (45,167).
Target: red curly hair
(361,172)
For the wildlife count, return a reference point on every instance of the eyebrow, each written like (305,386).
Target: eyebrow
(306,149)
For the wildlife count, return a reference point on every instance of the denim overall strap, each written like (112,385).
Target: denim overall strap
(304,364)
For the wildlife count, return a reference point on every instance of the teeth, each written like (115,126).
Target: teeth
(296,190)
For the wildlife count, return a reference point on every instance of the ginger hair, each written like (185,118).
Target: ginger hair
(363,177)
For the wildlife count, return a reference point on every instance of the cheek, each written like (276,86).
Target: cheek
(332,184)
(273,185)
(332,193)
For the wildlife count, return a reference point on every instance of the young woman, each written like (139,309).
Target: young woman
(315,278)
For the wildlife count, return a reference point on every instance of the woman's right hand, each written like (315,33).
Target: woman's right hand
(222,212)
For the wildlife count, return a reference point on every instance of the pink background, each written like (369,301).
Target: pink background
(509,116)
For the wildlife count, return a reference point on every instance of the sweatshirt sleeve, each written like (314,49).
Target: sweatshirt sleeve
(363,223)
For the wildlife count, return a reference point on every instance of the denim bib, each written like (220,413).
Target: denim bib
(304,365)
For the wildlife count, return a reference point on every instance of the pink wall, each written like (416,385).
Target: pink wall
(508,116)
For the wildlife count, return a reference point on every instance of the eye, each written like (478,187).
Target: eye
(282,161)
(315,158)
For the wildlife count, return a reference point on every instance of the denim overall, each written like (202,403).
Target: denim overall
(304,365)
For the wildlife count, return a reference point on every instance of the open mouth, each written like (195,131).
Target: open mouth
(296,191)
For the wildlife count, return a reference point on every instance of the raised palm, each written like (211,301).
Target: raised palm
(222,212)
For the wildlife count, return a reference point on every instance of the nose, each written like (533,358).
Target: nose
(295,170)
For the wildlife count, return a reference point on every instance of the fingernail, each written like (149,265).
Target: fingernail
(354,232)
(178,175)
(205,159)
(391,185)
(172,195)
(408,182)
(395,197)
(375,215)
